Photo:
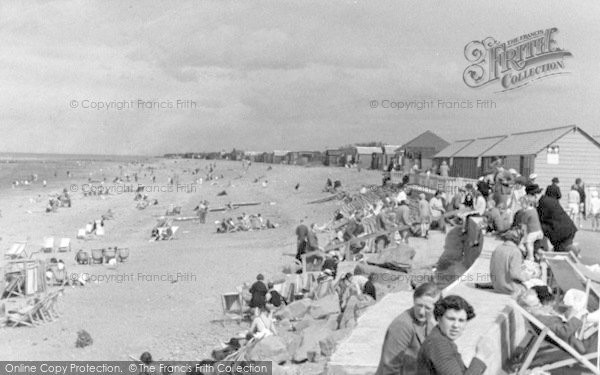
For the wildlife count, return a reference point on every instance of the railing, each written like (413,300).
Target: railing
(449,185)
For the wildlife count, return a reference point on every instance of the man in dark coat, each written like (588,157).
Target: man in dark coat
(302,237)
(556,224)
(554,190)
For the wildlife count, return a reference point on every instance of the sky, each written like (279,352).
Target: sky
(275,75)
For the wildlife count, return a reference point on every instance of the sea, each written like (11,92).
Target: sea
(37,167)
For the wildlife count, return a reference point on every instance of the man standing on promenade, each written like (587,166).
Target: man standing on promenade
(407,332)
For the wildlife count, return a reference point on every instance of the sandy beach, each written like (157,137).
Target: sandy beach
(163,298)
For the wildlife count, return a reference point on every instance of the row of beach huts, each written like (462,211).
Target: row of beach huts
(420,149)
(566,152)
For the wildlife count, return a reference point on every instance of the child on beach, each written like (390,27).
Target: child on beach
(424,215)
(529,221)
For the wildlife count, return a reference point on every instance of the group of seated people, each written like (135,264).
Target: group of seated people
(143,201)
(332,187)
(96,190)
(245,223)
(162,233)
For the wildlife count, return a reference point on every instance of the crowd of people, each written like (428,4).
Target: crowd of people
(244,223)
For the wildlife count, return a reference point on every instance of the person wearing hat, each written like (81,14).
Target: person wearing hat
(554,189)
(556,224)
(532,189)
(568,326)
(506,265)
(532,178)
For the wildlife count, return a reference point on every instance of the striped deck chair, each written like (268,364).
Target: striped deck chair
(370,226)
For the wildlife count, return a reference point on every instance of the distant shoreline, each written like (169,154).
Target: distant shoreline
(24,156)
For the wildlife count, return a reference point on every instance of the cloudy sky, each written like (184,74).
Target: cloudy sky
(264,75)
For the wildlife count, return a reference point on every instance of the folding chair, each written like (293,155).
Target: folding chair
(15,286)
(81,234)
(534,347)
(88,228)
(48,246)
(233,305)
(173,231)
(25,316)
(566,272)
(65,245)
(17,250)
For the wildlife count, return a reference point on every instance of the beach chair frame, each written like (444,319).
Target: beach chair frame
(64,245)
(533,349)
(48,246)
(18,250)
(565,272)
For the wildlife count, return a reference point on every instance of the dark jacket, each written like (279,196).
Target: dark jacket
(439,356)
(553,191)
(556,224)
(403,340)
(259,294)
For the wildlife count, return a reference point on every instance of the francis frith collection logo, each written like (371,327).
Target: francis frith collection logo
(514,63)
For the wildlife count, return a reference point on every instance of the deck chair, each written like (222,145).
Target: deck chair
(48,246)
(17,250)
(64,245)
(233,305)
(174,230)
(28,316)
(81,234)
(566,272)
(533,348)
(14,287)
(47,309)
(100,231)
(88,228)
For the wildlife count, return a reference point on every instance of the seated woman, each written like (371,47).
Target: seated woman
(56,273)
(262,325)
(439,354)
(541,303)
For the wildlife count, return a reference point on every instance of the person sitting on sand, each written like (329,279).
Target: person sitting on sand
(258,290)
(274,298)
(262,325)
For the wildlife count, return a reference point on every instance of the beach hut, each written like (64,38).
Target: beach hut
(466,161)
(566,152)
(334,158)
(368,157)
(423,148)
(279,156)
(390,154)
(292,157)
(251,155)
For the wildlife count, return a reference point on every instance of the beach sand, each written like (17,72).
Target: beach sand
(145,305)
(163,299)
